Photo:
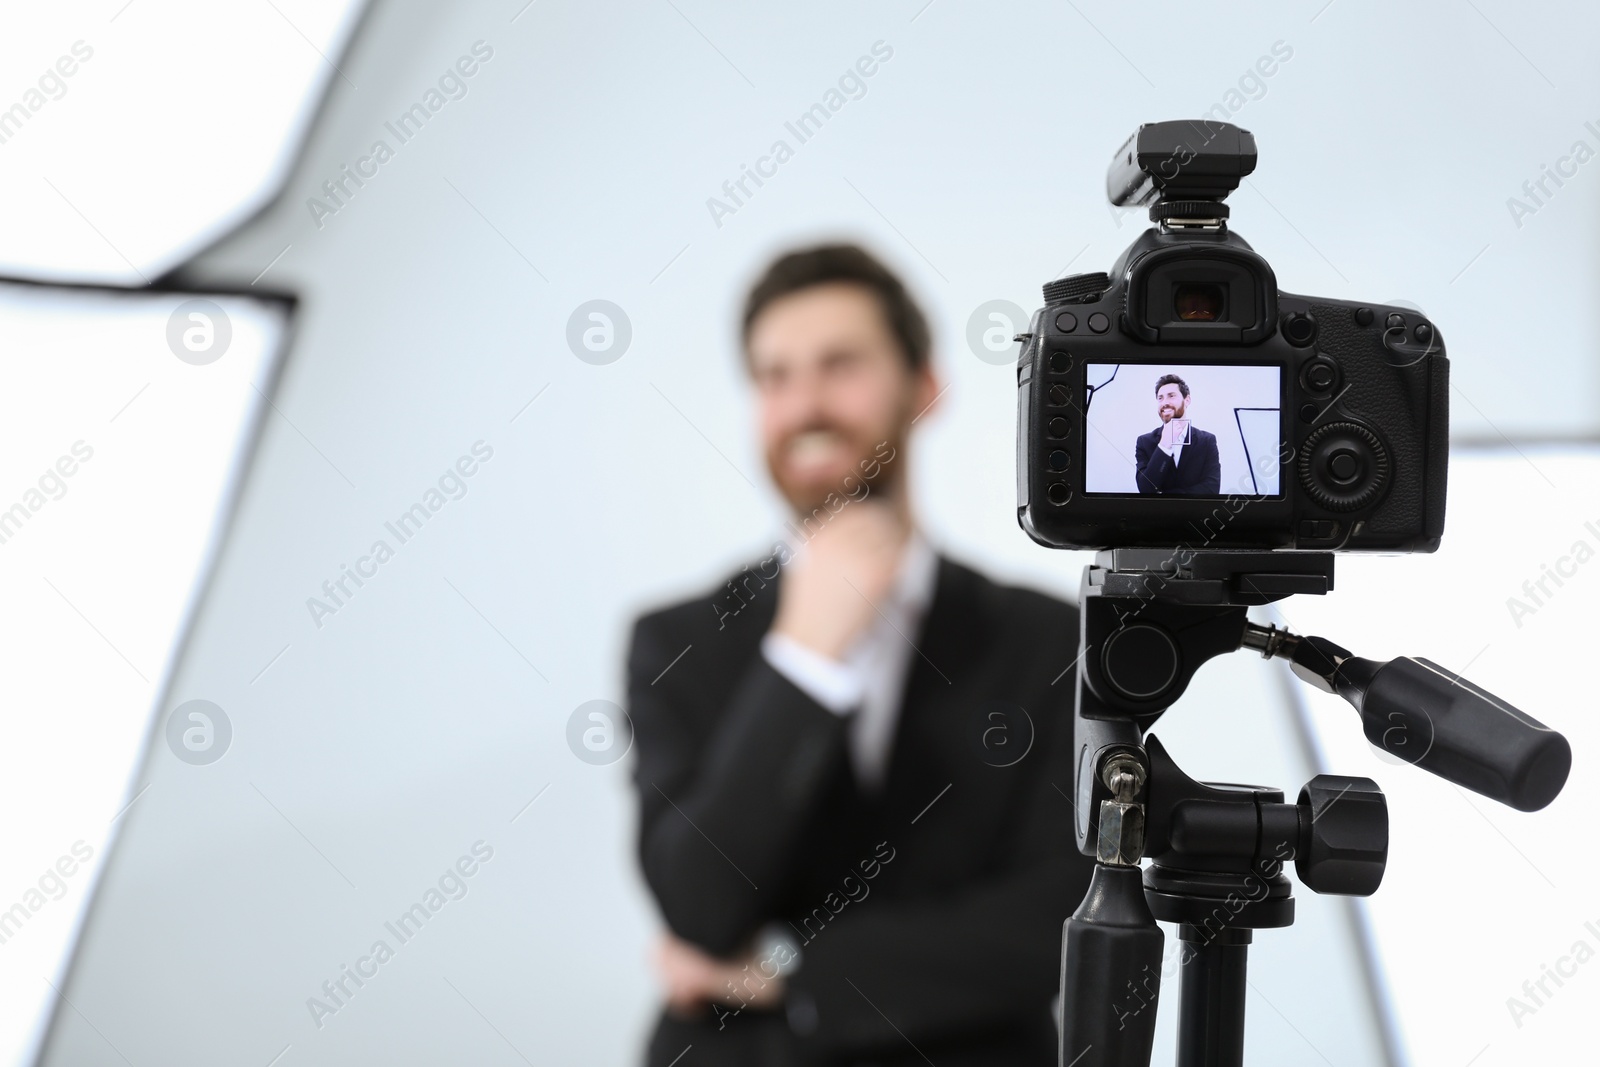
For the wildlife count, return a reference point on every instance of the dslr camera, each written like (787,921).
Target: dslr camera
(1184,400)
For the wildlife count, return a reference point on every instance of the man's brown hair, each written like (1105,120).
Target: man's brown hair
(1173,379)
(851,265)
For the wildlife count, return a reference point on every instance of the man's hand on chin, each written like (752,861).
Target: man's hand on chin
(828,595)
(692,979)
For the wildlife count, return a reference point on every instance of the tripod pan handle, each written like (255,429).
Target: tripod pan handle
(1433,718)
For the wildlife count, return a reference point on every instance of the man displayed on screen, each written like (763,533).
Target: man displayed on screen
(1177,458)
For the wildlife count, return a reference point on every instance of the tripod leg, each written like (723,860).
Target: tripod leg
(1211,1006)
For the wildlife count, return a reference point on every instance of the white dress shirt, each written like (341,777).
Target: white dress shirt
(1172,450)
(870,679)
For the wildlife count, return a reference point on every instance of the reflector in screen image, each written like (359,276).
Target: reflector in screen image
(1182,429)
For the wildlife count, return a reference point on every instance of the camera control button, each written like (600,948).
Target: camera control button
(1099,323)
(1320,376)
(1318,529)
(1396,319)
(1066,322)
(1364,316)
(1299,329)
(1060,362)
(1401,351)
(1058,493)
(1059,427)
(1059,460)
(1344,467)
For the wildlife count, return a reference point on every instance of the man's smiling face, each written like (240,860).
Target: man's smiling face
(1170,402)
(832,385)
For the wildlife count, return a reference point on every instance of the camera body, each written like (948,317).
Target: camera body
(1183,400)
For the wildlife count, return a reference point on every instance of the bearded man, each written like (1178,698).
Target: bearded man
(854,757)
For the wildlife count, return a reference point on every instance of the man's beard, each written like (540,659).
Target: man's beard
(874,471)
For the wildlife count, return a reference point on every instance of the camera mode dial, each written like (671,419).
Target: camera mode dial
(1076,288)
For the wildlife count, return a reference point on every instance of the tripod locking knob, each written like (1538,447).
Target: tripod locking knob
(1344,835)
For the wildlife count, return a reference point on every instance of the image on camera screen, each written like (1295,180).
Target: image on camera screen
(1182,429)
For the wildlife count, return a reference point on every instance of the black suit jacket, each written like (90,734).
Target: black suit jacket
(1198,471)
(749,813)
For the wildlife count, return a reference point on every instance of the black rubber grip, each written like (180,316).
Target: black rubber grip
(1110,974)
(1435,719)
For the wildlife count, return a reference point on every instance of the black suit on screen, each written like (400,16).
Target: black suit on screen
(1198,471)
(749,813)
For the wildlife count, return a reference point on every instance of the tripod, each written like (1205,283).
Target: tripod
(1149,619)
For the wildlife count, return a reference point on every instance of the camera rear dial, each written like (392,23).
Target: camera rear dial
(1344,467)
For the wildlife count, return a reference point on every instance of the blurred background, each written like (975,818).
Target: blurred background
(272,338)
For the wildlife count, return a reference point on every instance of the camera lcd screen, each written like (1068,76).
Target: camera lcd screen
(1203,430)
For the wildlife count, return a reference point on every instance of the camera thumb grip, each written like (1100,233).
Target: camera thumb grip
(1110,974)
(1421,713)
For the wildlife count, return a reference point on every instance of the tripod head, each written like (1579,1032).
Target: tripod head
(1149,619)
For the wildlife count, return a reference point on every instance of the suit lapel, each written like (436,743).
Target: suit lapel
(930,735)
(941,704)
